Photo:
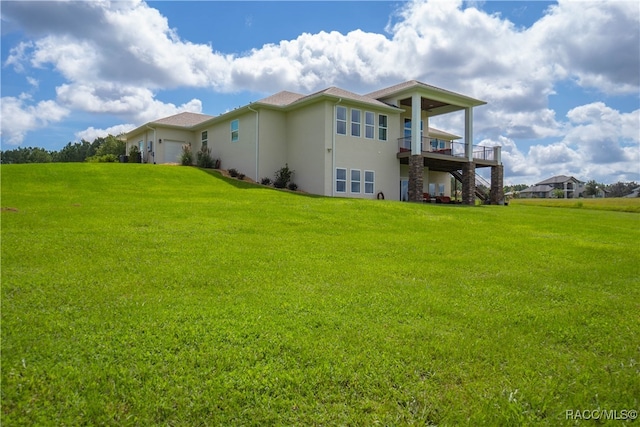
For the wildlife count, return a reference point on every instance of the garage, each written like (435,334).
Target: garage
(172,151)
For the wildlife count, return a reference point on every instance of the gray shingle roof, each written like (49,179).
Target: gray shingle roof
(557,180)
(346,95)
(185,119)
(281,98)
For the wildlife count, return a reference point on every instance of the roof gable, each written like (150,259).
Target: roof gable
(433,91)
(281,98)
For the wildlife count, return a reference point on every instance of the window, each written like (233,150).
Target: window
(369,182)
(341,180)
(369,125)
(341,120)
(204,138)
(355,181)
(235,130)
(356,121)
(382,127)
(440,189)
(407,128)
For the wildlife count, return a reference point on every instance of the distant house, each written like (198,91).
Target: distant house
(570,187)
(634,193)
(339,143)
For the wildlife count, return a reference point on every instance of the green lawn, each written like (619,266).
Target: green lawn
(165,295)
(622,204)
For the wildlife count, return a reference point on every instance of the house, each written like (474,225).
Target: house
(338,143)
(570,187)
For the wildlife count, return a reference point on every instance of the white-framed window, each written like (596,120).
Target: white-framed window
(369,125)
(440,189)
(341,180)
(369,182)
(407,127)
(355,181)
(205,138)
(382,127)
(341,120)
(235,130)
(356,122)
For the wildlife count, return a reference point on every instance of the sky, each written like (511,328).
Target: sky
(561,79)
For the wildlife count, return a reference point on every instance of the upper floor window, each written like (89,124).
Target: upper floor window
(235,130)
(356,121)
(341,120)
(369,124)
(382,127)
(204,138)
(407,127)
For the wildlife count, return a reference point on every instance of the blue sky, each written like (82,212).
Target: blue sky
(561,78)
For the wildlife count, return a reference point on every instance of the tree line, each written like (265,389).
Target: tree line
(107,149)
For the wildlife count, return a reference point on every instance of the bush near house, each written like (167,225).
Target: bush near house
(282,177)
(204,159)
(222,306)
(186,158)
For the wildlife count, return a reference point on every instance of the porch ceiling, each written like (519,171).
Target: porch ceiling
(432,106)
(438,163)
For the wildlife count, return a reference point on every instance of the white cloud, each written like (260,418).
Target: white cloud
(119,67)
(18,117)
(91,133)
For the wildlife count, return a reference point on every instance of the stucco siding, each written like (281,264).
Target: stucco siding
(272,153)
(363,154)
(306,143)
(240,154)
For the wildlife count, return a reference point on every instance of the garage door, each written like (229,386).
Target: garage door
(172,152)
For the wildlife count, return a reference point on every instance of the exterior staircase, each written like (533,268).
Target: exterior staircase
(480,182)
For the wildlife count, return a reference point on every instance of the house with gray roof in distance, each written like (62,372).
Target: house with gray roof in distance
(339,143)
(571,187)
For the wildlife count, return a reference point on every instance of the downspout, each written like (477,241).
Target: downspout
(153,148)
(257,142)
(333,149)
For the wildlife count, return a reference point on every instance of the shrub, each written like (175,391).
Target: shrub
(265,181)
(216,164)
(204,159)
(186,157)
(134,155)
(292,186)
(241,176)
(283,176)
(233,172)
(105,158)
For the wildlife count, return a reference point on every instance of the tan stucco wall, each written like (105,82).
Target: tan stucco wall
(306,147)
(370,155)
(272,153)
(239,155)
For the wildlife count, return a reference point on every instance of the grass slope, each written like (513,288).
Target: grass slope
(622,204)
(142,295)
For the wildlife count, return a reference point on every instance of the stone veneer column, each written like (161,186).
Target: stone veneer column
(497,185)
(416,179)
(469,184)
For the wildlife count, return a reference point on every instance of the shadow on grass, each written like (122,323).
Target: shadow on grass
(246,185)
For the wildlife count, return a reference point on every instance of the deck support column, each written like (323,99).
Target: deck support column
(497,185)
(469,184)
(416,178)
